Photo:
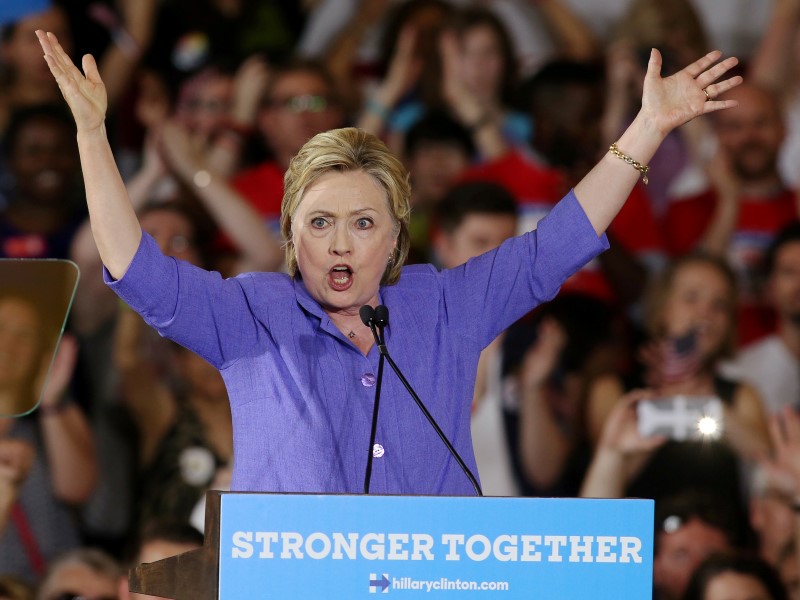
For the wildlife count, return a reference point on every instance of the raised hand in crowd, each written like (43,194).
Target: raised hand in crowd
(403,74)
(259,248)
(68,439)
(16,459)
(785,435)
(480,117)
(621,451)
(722,177)
(544,441)
(249,86)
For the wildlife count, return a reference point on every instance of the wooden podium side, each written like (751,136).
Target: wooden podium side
(192,575)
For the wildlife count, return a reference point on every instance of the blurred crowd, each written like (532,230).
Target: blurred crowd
(497,107)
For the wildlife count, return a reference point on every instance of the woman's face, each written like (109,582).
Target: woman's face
(735,586)
(44,161)
(481,62)
(22,52)
(699,300)
(19,343)
(344,235)
(173,233)
(205,102)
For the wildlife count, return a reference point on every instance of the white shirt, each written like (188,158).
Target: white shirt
(771,369)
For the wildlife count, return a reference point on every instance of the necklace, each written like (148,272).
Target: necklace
(352,334)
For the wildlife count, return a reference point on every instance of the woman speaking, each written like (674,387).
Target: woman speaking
(299,364)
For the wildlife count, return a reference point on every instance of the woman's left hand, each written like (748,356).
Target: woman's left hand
(669,102)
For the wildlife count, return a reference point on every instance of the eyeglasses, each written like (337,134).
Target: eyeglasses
(75,596)
(305,103)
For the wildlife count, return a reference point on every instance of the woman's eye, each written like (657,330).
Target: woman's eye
(318,222)
(364,223)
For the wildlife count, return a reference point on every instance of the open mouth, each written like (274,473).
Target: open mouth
(340,277)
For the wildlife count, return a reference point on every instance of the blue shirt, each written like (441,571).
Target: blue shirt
(301,393)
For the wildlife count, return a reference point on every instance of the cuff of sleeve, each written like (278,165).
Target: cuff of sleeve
(575,234)
(566,241)
(145,286)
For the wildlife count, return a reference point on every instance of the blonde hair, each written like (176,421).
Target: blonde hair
(343,150)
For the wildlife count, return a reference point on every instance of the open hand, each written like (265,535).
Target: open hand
(86,96)
(672,101)
(16,459)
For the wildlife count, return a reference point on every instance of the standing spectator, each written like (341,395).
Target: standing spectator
(300,102)
(772,364)
(472,219)
(738,216)
(62,475)
(689,529)
(82,573)
(735,576)
(565,102)
(695,297)
(161,539)
(45,205)
(437,151)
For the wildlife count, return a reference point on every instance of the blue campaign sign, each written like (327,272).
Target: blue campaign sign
(324,546)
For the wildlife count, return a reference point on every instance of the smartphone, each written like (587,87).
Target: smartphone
(680,417)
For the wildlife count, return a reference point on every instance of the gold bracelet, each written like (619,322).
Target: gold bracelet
(643,169)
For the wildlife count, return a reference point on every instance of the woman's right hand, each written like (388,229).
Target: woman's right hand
(86,96)
(621,430)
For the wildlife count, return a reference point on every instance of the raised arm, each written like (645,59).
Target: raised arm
(114,225)
(667,103)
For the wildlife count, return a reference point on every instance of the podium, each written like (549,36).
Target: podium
(314,546)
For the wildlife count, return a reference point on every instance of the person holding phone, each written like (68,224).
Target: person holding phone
(691,323)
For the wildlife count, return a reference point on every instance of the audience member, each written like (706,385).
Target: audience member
(12,588)
(81,573)
(565,102)
(300,101)
(474,218)
(44,207)
(61,477)
(437,151)
(772,364)
(735,577)
(676,29)
(694,300)
(746,204)
(471,76)
(176,400)
(549,358)
(16,460)
(774,66)
(160,539)
(770,510)
(690,528)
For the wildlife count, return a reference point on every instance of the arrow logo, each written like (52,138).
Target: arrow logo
(375,583)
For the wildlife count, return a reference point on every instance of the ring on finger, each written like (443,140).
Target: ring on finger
(705,91)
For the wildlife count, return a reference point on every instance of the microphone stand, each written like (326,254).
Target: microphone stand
(382,317)
(368,318)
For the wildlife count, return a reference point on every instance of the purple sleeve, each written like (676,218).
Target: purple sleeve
(490,292)
(196,308)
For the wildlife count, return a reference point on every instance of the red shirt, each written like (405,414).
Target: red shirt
(687,220)
(262,186)
(538,188)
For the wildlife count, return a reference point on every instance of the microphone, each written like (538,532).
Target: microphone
(368,317)
(381,316)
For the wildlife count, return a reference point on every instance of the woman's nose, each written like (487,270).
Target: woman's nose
(340,241)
